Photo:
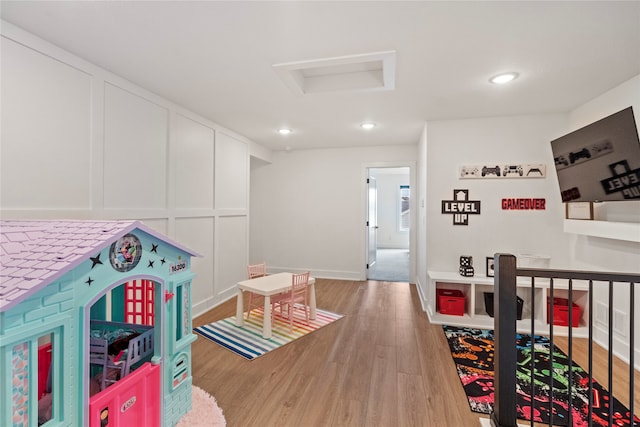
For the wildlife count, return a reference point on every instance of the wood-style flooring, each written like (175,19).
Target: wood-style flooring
(383,364)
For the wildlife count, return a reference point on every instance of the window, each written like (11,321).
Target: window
(403,208)
(34,376)
(182,316)
(139,302)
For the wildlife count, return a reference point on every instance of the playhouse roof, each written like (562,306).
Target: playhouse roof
(34,254)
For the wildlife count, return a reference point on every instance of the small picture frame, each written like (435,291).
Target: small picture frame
(579,210)
(490,266)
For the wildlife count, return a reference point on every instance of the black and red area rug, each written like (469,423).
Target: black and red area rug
(472,352)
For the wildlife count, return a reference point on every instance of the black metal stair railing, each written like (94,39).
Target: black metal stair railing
(505,317)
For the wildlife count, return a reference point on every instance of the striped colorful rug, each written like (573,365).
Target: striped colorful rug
(247,340)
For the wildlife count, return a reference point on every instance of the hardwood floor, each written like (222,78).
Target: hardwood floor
(383,364)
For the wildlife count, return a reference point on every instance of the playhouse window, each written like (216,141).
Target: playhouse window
(39,351)
(183,320)
(182,316)
(20,384)
(139,302)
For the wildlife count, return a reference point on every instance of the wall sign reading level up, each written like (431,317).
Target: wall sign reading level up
(461,207)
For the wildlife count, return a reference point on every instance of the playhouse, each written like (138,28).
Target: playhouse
(95,325)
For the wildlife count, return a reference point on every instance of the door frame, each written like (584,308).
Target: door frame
(363,214)
(368,221)
(158,335)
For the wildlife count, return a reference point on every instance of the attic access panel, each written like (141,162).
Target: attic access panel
(362,72)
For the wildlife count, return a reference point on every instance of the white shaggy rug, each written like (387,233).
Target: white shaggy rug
(204,411)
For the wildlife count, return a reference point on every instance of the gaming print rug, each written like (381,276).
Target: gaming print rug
(472,352)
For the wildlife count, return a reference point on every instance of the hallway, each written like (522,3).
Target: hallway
(392,265)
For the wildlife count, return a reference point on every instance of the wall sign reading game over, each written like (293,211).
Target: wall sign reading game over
(461,207)
(521,204)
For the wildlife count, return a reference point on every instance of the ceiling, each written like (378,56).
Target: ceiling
(216,58)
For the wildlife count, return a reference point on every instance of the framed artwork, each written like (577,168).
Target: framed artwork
(579,210)
(490,266)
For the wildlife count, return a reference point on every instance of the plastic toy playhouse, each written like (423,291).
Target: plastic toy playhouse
(95,325)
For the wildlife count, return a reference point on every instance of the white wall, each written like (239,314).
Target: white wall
(80,142)
(308,208)
(499,140)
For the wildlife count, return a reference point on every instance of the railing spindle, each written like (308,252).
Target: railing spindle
(570,382)
(551,352)
(533,347)
(631,351)
(590,344)
(610,358)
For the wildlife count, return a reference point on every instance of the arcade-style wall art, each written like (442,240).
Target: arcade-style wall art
(523,204)
(461,207)
(505,170)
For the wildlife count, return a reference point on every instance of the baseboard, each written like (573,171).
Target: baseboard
(620,347)
(324,274)
(202,307)
(423,299)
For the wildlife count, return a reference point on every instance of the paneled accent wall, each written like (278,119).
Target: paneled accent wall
(46,127)
(80,142)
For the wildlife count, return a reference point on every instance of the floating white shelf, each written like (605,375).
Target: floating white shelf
(628,231)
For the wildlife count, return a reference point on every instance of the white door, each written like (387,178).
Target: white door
(372,221)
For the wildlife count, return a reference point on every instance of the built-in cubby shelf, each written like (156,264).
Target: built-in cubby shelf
(475,315)
(628,231)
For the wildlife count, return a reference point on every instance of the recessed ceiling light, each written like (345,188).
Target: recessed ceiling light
(503,78)
(368,125)
(284,131)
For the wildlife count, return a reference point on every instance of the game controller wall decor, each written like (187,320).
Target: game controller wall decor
(508,170)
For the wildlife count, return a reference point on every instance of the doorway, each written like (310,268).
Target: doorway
(388,224)
(121,338)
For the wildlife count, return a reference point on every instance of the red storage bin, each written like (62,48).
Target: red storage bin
(450,301)
(561,312)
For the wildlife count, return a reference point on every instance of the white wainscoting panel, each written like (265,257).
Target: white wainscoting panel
(135,151)
(46,151)
(194,164)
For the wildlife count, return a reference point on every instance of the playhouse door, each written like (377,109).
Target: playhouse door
(132,401)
